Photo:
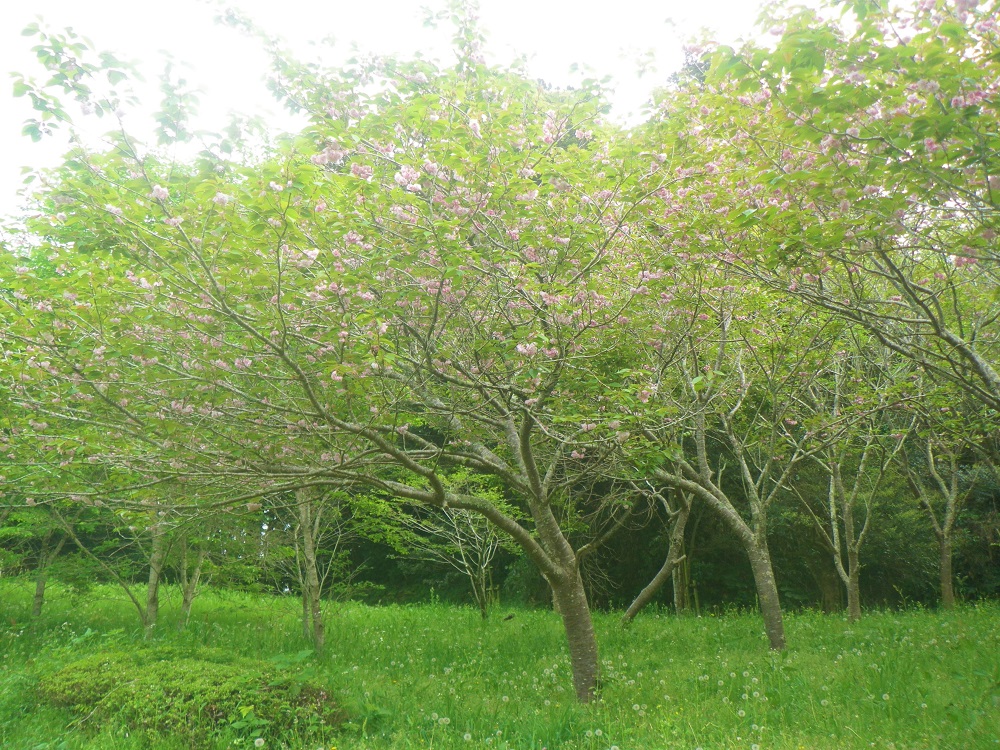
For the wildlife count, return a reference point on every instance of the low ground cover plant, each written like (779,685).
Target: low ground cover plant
(437,676)
(186,694)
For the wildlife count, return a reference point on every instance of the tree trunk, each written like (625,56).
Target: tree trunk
(675,555)
(767,594)
(189,584)
(853,584)
(45,558)
(312,609)
(829,584)
(158,556)
(570,597)
(480,590)
(947,579)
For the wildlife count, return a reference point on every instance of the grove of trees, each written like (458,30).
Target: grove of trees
(462,315)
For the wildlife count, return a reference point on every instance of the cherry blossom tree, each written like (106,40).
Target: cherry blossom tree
(852,162)
(430,276)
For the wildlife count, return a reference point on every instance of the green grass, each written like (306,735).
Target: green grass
(438,677)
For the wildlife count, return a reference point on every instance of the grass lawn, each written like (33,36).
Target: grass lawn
(437,676)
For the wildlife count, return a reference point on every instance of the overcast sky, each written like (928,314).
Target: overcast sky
(609,37)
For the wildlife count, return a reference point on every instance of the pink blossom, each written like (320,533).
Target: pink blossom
(113,210)
(336,377)
(362,171)
(173,221)
(159,193)
(221,199)
(931,145)
(242,363)
(577,454)
(276,187)
(588,426)
(407,176)
(529,350)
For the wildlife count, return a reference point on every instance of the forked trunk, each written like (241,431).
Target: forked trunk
(767,594)
(157,558)
(312,608)
(675,555)
(570,599)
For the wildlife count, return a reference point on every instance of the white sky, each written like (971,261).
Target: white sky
(608,37)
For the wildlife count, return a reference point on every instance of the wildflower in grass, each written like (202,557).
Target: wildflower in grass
(467,736)
(259,742)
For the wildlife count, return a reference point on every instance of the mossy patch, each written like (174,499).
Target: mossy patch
(192,694)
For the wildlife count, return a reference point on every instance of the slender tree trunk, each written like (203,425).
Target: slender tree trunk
(680,581)
(480,590)
(158,556)
(828,582)
(189,583)
(853,579)
(570,598)
(853,584)
(947,578)
(675,555)
(767,594)
(41,578)
(46,556)
(312,609)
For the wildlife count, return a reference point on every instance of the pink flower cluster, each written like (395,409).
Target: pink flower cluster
(408,178)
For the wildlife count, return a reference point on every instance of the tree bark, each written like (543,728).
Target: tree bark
(947,578)
(675,555)
(312,608)
(189,583)
(158,556)
(570,597)
(47,554)
(853,584)
(830,597)
(767,594)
